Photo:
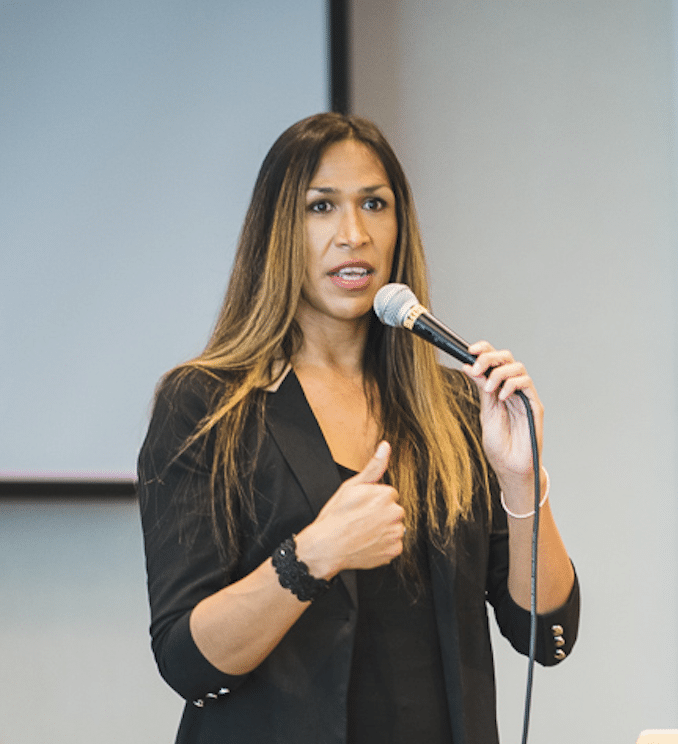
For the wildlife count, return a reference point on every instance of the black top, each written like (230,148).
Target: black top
(396,692)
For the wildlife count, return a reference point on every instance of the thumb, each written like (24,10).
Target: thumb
(376,467)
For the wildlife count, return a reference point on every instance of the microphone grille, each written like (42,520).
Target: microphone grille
(393,302)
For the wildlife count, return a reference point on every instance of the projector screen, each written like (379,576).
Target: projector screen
(131,136)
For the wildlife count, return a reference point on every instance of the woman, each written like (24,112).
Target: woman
(320,499)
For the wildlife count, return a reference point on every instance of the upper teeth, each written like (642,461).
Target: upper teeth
(351,271)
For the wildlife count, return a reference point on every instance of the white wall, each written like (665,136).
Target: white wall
(538,137)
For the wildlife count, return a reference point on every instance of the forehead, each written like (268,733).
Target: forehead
(349,161)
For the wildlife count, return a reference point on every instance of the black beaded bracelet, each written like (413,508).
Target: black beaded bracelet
(293,574)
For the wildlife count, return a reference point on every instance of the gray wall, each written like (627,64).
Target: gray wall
(76,659)
(539,140)
(131,135)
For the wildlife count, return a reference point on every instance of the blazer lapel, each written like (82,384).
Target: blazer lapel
(297,433)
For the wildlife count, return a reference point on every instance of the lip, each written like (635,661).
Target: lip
(352,284)
(353,264)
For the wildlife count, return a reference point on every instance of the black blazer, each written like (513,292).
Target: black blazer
(298,694)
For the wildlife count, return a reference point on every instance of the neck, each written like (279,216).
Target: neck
(339,347)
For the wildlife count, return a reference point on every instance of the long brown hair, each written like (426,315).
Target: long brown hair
(424,409)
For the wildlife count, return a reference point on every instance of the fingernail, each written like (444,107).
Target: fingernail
(382,451)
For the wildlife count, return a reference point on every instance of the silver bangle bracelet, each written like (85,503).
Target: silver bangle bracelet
(541,503)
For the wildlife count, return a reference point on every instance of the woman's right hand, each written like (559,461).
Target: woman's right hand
(361,525)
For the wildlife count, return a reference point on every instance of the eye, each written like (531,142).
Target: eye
(320,206)
(374,204)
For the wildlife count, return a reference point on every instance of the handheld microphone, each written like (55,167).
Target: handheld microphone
(396,305)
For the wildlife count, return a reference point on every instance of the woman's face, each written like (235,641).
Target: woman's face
(351,233)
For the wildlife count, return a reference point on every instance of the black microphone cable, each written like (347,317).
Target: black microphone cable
(533,569)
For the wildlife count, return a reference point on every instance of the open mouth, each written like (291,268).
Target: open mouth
(350,273)
(352,276)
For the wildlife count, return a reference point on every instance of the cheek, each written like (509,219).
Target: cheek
(389,230)
(314,265)
(391,240)
(319,233)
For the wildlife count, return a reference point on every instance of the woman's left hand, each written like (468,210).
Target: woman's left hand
(506,434)
(506,441)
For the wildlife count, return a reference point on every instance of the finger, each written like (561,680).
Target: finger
(376,467)
(511,385)
(493,361)
(488,358)
(479,347)
(503,373)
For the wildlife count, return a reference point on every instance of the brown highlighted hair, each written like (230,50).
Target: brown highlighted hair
(426,412)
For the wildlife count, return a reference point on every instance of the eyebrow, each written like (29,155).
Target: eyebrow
(365,190)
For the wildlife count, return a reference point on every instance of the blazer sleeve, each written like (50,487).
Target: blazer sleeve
(556,631)
(182,561)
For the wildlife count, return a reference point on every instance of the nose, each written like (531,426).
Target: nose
(351,231)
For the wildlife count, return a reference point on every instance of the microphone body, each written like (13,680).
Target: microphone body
(432,330)
(396,305)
